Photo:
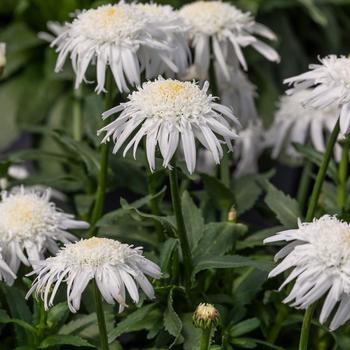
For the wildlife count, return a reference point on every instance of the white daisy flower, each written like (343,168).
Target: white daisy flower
(175,32)
(238,92)
(119,36)
(6,274)
(298,123)
(330,81)
(30,225)
(165,111)
(319,255)
(248,148)
(113,265)
(229,29)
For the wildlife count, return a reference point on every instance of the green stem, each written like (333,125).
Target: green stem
(181,229)
(205,340)
(77,115)
(102,174)
(153,205)
(304,185)
(305,328)
(100,318)
(224,170)
(342,175)
(321,175)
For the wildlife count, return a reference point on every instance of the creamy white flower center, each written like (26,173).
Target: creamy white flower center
(338,72)
(172,101)
(95,252)
(330,243)
(25,216)
(214,17)
(206,311)
(107,24)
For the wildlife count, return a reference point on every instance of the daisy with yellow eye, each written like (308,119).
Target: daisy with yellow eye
(31,225)
(117,36)
(116,268)
(167,112)
(224,29)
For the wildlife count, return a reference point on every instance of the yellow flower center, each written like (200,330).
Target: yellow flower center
(92,243)
(171,89)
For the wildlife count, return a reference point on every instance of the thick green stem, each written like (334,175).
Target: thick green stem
(304,185)
(77,115)
(181,229)
(321,175)
(100,318)
(205,340)
(305,328)
(102,174)
(343,174)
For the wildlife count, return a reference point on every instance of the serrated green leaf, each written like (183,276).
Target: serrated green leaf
(246,192)
(172,321)
(218,238)
(57,315)
(193,218)
(166,252)
(190,333)
(5,318)
(57,340)
(222,196)
(142,318)
(228,262)
(286,208)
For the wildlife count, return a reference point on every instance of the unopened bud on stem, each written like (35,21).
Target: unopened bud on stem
(205,316)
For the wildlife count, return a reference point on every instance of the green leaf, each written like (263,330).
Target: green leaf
(190,333)
(244,327)
(57,315)
(228,262)
(245,343)
(248,285)
(316,158)
(166,252)
(256,239)
(246,192)
(57,340)
(218,238)
(286,208)
(5,318)
(193,218)
(78,324)
(172,321)
(222,196)
(143,318)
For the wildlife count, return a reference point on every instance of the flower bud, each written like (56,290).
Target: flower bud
(2,57)
(232,215)
(205,316)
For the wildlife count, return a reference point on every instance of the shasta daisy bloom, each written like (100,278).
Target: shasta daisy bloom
(296,122)
(238,92)
(6,274)
(330,82)
(229,29)
(175,32)
(318,254)
(30,225)
(167,112)
(249,147)
(116,268)
(119,36)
